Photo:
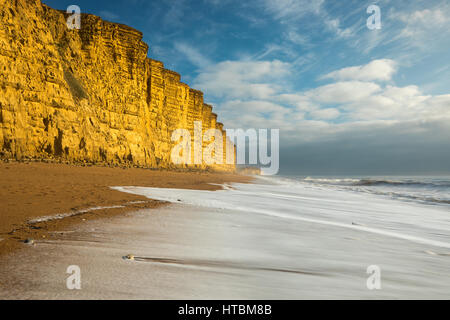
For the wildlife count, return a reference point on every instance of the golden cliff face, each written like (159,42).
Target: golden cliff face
(90,94)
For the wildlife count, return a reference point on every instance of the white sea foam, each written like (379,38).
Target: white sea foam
(60,216)
(289,199)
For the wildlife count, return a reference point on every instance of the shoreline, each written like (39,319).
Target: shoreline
(252,241)
(32,190)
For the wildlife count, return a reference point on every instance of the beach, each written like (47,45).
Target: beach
(208,150)
(33,190)
(274,238)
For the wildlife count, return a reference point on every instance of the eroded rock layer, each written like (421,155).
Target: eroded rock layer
(88,95)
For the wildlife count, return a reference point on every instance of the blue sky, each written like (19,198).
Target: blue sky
(372,101)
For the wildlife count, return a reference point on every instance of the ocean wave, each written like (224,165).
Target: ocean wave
(435,191)
(409,183)
(424,199)
(378,182)
(296,202)
(331,181)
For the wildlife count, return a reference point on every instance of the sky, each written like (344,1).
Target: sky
(348,100)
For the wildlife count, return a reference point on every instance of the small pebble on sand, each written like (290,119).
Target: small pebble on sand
(29,241)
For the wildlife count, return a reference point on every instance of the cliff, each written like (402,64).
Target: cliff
(88,95)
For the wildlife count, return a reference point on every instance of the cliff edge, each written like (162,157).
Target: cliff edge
(88,95)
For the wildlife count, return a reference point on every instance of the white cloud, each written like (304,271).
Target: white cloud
(257,106)
(343,92)
(422,28)
(381,70)
(192,54)
(334,25)
(242,79)
(297,38)
(421,21)
(253,96)
(275,48)
(407,32)
(298,100)
(288,9)
(325,114)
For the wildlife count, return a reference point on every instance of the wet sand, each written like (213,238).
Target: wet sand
(33,190)
(186,252)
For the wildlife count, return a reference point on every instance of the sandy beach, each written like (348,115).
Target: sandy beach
(32,190)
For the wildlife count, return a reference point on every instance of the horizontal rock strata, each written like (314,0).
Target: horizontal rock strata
(89,95)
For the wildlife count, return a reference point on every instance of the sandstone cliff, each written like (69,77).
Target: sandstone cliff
(88,95)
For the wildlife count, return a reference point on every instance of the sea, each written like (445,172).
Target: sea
(433,190)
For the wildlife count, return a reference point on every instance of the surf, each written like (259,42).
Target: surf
(293,200)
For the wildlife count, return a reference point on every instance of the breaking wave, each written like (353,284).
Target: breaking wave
(429,190)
